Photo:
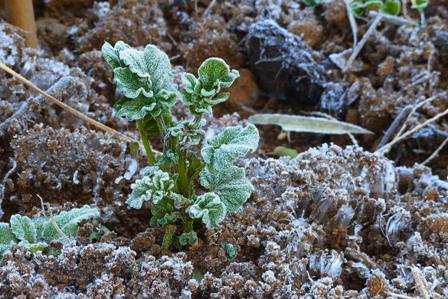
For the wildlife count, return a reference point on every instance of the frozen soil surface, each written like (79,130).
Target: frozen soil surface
(338,221)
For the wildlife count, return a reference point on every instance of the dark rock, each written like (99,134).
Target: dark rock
(283,64)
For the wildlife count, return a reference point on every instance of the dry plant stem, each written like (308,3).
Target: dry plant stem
(421,283)
(387,147)
(55,225)
(209,7)
(395,20)
(21,14)
(361,44)
(436,152)
(352,21)
(399,120)
(400,296)
(417,107)
(66,107)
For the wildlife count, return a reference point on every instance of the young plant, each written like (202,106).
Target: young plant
(182,185)
(35,234)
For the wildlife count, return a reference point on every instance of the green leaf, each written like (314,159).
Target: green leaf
(188,238)
(153,187)
(391,7)
(234,142)
(68,222)
(6,235)
(200,94)
(3,249)
(133,85)
(359,8)
(144,78)
(229,184)
(23,228)
(112,54)
(298,123)
(419,5)
(163,214)
(230,251)
(34,247)
(280,151)
(209,208)
(214,74)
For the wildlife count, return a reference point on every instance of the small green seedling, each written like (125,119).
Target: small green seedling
(391,7)
(360,7)
(182,185)
(35,234)
(419,5)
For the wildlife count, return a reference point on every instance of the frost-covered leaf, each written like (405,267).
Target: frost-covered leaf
(230,184)
(209,208)
(144,78)
(214,74)
(34,247)
(163,214)
(298,123)
(3,249)
(150,187)
(141,106)
(68,222)
(188,238)
(112,54)
(23,228)
(230,251)
(200,94)
(132,85)
(6,235)
(234,142)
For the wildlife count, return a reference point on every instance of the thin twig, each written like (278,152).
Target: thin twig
(399,120)
(436,152)
(209,7)
(55,225)
(352,21)
(387,147)
(361,44)
(416,107)
(66,107)
(70,109)
(400,296)
(391,19)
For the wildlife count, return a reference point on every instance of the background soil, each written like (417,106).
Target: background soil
(336,222)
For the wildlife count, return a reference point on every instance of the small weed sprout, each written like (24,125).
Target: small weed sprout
(35,234)
(172,182)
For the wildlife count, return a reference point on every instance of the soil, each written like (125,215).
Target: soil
(337,221)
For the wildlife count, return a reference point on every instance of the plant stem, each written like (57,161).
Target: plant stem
(188,224)
(168,237)
(184,181)
(145,142)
